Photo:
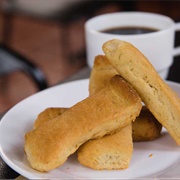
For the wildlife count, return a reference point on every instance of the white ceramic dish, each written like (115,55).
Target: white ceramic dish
(18,120)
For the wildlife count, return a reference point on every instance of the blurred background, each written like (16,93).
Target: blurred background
(42,41)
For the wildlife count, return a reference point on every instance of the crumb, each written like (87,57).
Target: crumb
(150,155)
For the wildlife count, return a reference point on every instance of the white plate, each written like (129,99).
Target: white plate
(19,120)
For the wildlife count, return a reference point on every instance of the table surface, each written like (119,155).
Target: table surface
(174,75)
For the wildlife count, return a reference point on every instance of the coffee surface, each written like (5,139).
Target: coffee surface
(129,30)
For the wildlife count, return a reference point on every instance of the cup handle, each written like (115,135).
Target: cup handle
(176,51)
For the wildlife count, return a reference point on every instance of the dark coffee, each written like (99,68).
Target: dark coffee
(129,30)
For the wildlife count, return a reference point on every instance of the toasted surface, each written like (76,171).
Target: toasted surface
(110,152)
(48,114)
(49,145)
(159,98)
(145,127)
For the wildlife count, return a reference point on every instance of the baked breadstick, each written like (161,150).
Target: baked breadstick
(113,151)
(109,152)
(145,127)
(49,145)
(159,98)
(101,73)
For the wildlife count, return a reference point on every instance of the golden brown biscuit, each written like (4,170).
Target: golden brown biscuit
(101,73)
(145,127)
(109,152)
(159,98)
(49,145)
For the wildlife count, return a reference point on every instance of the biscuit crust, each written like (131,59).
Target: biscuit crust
(159,98)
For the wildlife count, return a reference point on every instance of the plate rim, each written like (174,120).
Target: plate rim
(27,174)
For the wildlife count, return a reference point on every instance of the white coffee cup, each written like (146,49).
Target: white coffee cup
(157,46)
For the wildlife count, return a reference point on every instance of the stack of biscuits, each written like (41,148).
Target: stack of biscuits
(127,102)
